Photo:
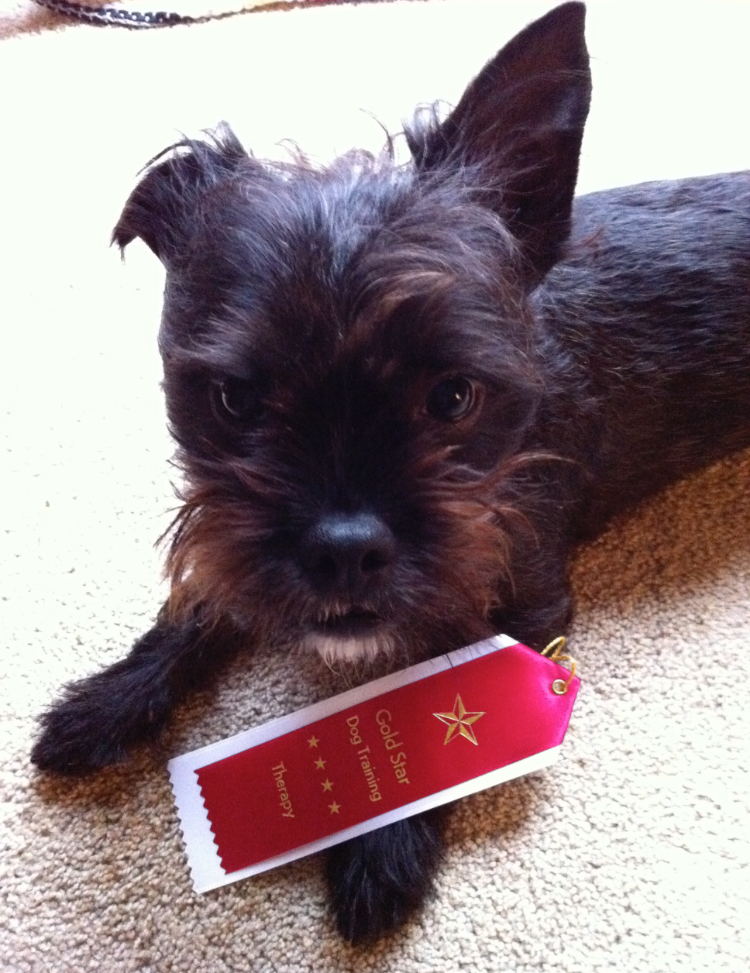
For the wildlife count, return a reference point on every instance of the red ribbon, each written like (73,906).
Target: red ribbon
(384,753)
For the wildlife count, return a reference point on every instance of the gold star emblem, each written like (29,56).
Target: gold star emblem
(460,720)
(313,741)
(334,808)
(320,763)
(327,784)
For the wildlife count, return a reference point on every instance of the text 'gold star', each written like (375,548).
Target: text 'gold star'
(459,721)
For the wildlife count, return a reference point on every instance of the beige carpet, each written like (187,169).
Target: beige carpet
(632,853)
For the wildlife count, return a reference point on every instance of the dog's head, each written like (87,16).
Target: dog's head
(350,364)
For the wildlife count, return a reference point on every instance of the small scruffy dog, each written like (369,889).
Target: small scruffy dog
(402,394)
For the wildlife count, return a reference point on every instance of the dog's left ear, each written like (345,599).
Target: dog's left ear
(520,123)
(163,208)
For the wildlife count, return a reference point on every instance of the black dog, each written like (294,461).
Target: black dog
(401,394)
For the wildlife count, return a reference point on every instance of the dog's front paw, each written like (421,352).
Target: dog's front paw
(101,718)
(378,881)
(94,725)
(71,741)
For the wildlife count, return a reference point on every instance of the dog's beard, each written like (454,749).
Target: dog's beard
(427,619)
(439,596)
(348,633)
(352,649)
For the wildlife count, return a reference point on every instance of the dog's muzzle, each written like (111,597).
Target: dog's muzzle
(347,558)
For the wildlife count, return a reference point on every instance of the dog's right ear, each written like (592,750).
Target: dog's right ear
(162,208)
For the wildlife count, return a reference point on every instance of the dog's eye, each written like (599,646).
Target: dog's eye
(451,399)
(234,398)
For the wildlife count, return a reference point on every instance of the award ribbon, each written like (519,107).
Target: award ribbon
(399,745)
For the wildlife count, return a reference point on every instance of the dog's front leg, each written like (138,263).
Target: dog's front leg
(379,880)
(99,719)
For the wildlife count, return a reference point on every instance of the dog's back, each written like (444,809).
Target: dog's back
(650,315)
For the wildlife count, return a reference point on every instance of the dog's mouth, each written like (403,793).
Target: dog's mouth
(355,622)
(349,634)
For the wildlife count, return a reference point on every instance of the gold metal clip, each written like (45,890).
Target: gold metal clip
(554,653)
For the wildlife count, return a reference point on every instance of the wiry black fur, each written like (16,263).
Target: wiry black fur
(130,702)
(373,883)
(318,328)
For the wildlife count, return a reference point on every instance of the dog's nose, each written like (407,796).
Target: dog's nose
(347,553)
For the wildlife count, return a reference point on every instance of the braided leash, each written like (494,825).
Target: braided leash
(117,17)
(114,17)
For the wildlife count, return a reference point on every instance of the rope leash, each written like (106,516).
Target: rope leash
(117,17)
(114,17)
